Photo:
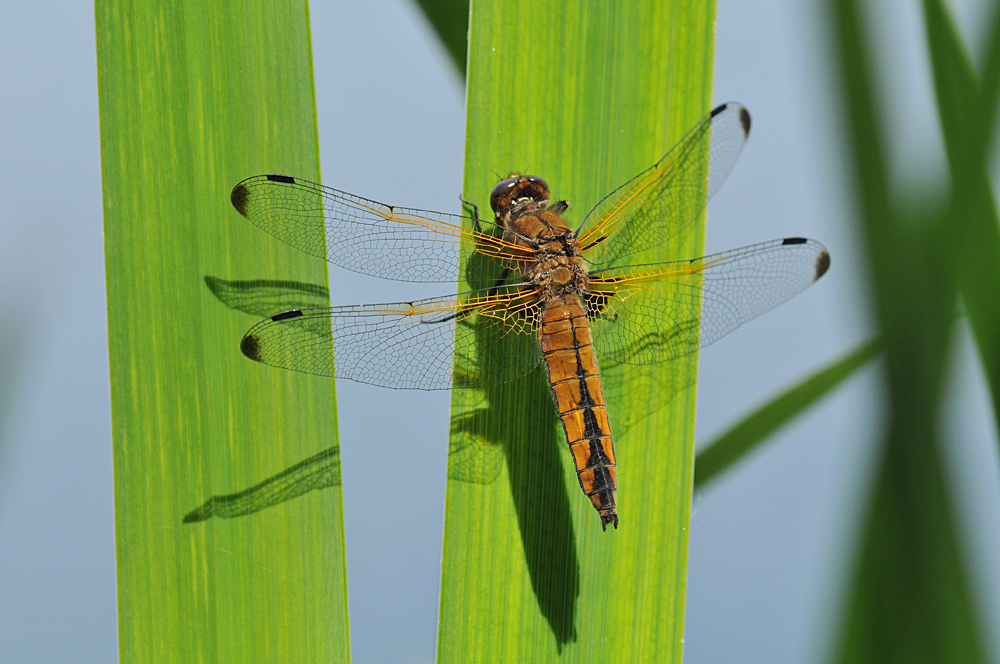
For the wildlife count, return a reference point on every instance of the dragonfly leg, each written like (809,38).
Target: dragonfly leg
(499,283)
(475,212)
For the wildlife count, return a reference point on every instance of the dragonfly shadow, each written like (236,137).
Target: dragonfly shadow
(517,423)
(320,471)
(486,439)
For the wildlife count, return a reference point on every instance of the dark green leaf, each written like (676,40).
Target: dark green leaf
(910,599)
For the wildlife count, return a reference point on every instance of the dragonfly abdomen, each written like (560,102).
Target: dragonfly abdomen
(576,384)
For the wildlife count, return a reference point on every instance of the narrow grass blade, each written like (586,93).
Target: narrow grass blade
(967,129)
(586,95)
(729,448)
(910,598)
(195,97)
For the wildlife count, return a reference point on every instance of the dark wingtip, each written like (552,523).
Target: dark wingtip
(745,121)
(744,115)
(239,198)
(822,264)
(285,179)
(251,346)
(794,240)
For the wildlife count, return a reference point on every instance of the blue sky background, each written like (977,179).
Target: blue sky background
(771,542)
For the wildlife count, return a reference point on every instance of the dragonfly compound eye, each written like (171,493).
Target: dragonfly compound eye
(504,192)
(535,187)
(515,188)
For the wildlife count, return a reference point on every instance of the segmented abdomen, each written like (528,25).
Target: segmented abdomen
(569,356)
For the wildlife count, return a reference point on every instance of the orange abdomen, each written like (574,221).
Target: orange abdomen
(569,356)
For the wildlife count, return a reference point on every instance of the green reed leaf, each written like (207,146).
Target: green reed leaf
(195,97)
(585,94)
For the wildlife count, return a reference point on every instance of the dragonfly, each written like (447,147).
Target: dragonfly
(539,291)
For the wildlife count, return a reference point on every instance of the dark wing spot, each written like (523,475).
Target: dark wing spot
(281,178)
(239,198)
(822,265)
(794,240)
(719,109)
(285,315)
(745,121)
(251,347)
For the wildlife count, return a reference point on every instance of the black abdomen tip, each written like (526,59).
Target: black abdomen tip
(251,347)
(822,264)
(609,518)
(239,198)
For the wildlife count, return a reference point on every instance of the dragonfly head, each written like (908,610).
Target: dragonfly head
(514,188)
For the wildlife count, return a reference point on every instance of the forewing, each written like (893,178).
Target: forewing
(366,236)
(667,198)
(653,313)
(475,339)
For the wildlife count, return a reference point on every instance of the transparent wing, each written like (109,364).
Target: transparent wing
(653,313)
(668,197)
(470,340)
(366,236)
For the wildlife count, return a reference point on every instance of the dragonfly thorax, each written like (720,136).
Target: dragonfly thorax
(558,267)
(539,224)
(559,275)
